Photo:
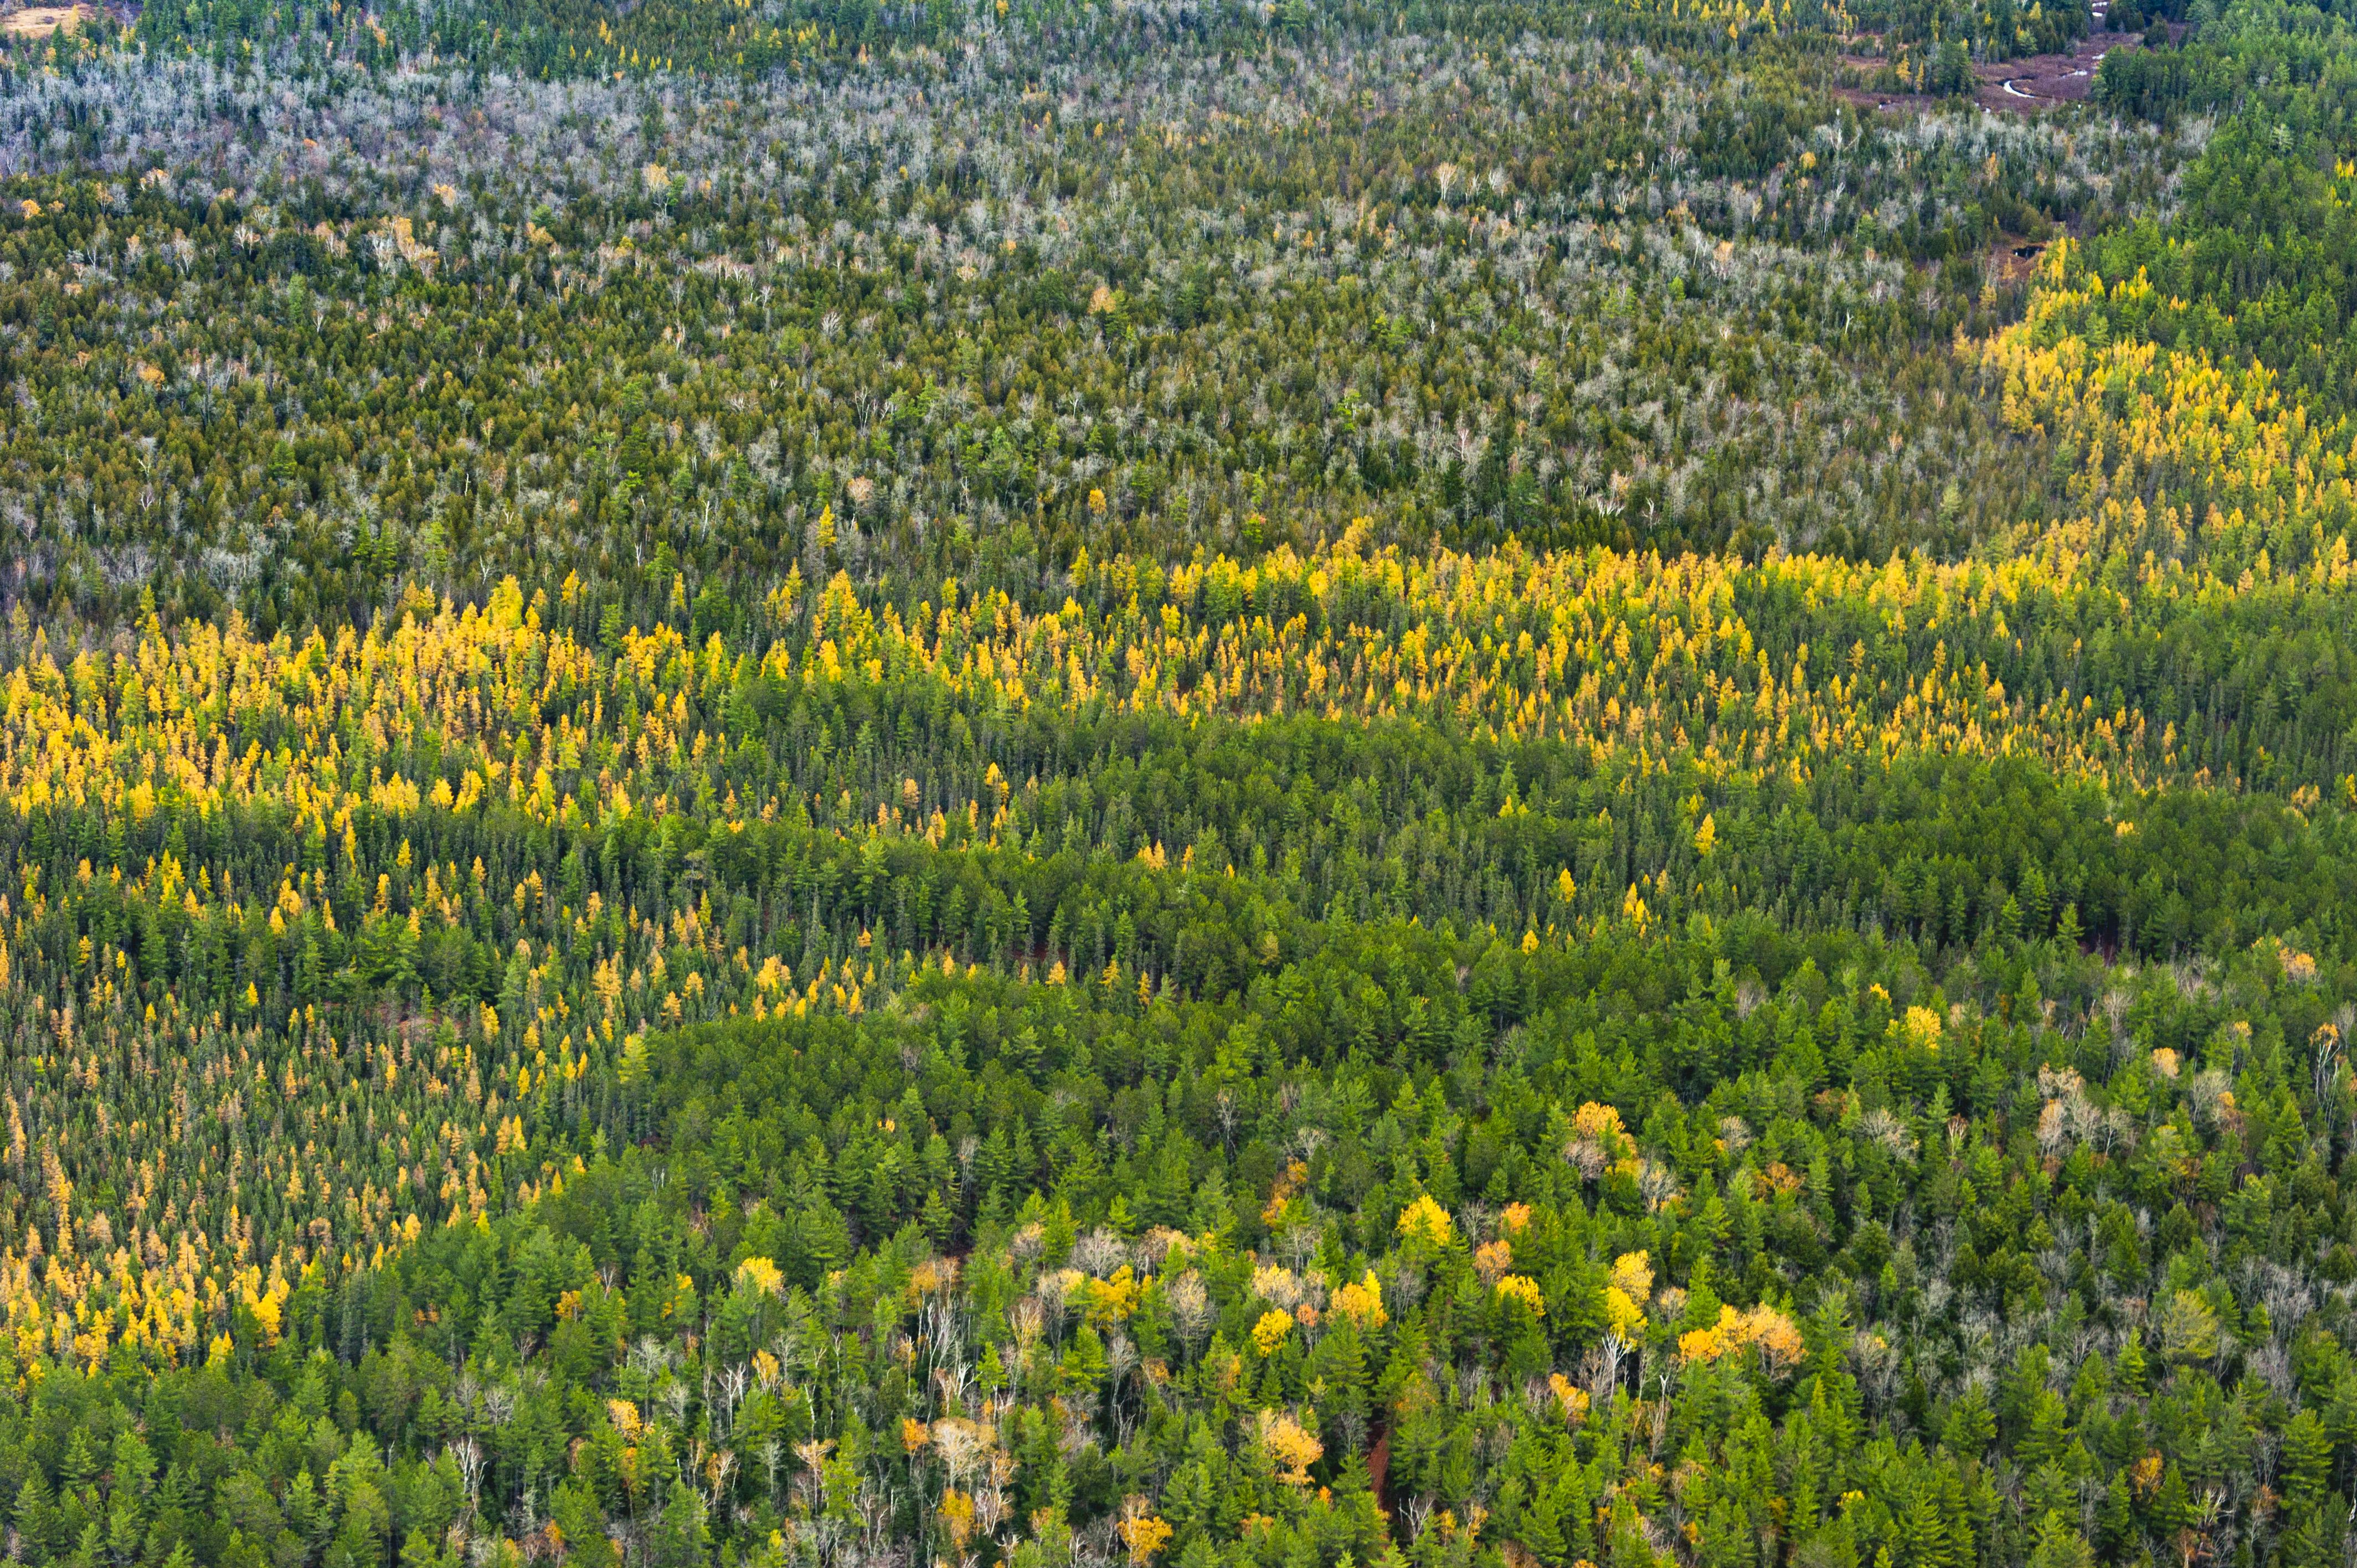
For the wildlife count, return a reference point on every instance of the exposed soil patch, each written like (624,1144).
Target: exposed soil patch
(1897,103)
(2012,258)
(40,21)
(1872,98)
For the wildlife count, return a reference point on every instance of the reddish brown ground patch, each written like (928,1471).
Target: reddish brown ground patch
(1868,66)
(2023,86)
(2007,87)
(1895,102)
(2013,259)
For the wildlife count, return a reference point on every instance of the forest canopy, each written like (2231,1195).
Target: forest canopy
(1034,785)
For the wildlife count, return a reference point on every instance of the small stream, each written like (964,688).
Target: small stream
(2012,83)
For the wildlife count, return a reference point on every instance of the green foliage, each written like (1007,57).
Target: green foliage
(983,317)
(1098,884)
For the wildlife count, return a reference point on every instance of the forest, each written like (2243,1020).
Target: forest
(1051,784)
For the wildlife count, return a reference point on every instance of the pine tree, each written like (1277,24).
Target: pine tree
(574,1510)
(1541,1530)
(419,1551)
(2060,1545)
(680,1538)
(2306,1457)
(2116,1520)
(36,1519)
